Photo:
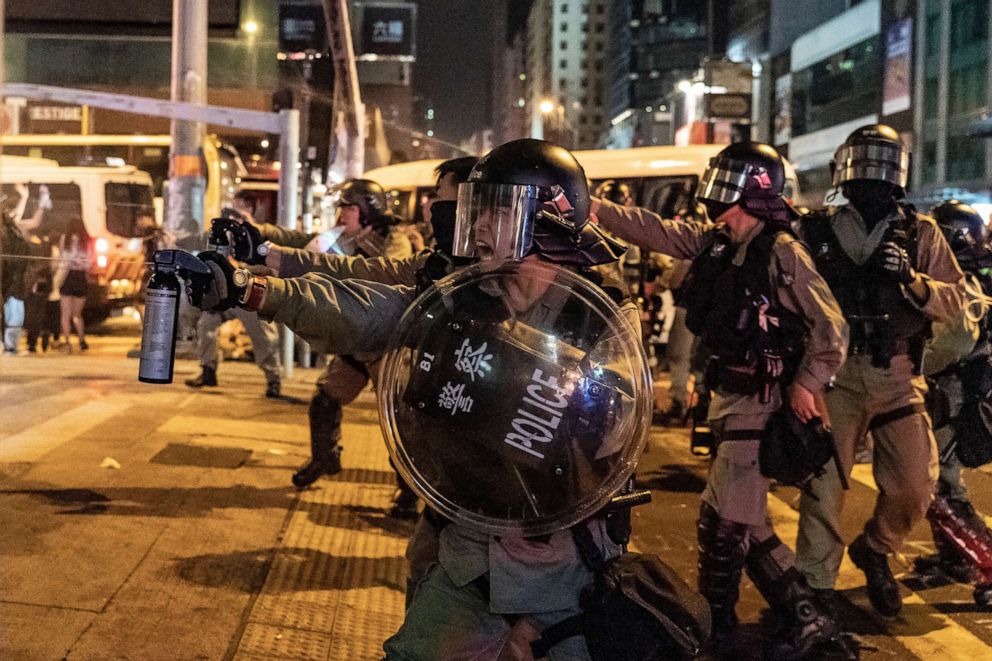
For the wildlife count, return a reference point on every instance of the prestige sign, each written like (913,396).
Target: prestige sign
(53,118)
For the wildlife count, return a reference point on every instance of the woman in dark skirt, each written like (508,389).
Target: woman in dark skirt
(75,249)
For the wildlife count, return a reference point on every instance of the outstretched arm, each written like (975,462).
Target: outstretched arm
(680,239)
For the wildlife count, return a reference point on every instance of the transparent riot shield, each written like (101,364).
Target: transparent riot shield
(515,397)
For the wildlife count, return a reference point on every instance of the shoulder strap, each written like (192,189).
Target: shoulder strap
(588,550)
(554,634)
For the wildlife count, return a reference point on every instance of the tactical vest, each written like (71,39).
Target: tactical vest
(882,322)
(737,315)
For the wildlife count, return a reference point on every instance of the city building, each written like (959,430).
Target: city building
(509,76)
(110,47)
(654,46)
(952,89)
(565,58)
(385,43)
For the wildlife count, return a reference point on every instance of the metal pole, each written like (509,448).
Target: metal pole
(289,192)
(184,215)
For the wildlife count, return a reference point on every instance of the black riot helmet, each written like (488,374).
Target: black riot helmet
(529,196)
(618,193)
(966,233)
(369,197)
(751,174)
(874,153)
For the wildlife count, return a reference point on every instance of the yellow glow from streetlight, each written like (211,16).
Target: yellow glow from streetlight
(251,27)
(546,106)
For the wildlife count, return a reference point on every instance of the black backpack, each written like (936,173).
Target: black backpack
(637,609)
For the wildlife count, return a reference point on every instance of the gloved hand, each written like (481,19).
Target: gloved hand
(893,260)
(251,228)
(222,292)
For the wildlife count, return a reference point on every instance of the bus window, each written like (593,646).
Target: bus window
(126,205)
(399,204)
(668,196)
(66,204)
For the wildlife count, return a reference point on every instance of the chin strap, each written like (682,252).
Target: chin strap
(590,247)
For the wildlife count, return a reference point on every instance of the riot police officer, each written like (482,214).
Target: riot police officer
(958,366)
(892,274)
(363,230)
(756,300)
(528,200)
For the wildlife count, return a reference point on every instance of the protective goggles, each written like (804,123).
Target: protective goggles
(725,179)
(495,221)
(881,161)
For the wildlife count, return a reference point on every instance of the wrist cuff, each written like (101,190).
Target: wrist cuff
(254,294)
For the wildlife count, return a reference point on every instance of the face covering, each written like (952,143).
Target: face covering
(716,209)
(443,223)
(874,200)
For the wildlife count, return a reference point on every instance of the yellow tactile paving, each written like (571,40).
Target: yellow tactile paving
(335,588)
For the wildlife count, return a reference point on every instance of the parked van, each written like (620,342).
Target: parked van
(662,179)
(115,204)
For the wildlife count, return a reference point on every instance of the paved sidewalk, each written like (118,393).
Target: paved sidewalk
(336,586)
(158,522)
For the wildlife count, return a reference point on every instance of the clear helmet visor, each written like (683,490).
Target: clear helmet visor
(723,181)
(495,221)
(881,161)
(515,397)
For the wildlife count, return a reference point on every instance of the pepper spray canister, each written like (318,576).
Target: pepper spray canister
(158,331)
(161,320)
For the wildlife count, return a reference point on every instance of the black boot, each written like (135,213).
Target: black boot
(404,501)
(273,389)
(806,623)
(325,431)
(883,590)
(208,377)
(722,549)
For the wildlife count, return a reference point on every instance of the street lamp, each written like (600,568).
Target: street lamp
(546,106)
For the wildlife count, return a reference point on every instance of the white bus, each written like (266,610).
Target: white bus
(115,205)
(662,179)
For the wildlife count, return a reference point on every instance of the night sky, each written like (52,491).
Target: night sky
(454,64)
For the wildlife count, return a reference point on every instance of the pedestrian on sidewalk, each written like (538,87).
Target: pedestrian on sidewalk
(75,254)
(38,275)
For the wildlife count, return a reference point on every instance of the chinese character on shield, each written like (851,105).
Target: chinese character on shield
(474,362)
(452,398)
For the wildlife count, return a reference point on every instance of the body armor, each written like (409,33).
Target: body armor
(883,322)
(735,312)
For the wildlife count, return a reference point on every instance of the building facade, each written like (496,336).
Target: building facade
(565,58)
(953,87)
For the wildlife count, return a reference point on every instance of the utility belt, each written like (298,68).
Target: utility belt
(749,380)
(875,336)
(863,346)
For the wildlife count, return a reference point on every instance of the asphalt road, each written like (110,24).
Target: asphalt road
(158,522)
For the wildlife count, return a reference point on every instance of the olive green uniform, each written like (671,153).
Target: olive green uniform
(866,397)
(735,488)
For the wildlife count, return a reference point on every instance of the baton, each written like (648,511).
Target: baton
(821,405)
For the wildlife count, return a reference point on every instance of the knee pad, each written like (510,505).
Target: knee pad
(722,551)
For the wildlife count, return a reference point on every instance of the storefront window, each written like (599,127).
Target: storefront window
(837,89)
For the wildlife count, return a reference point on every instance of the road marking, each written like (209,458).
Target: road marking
(23,414)
(278,432)
(862,473)
(949,640)
(31,444)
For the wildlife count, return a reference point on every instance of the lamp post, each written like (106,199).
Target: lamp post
(547,107)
